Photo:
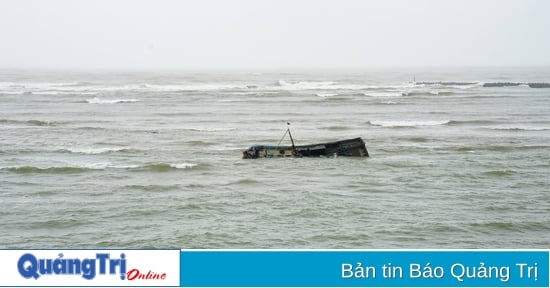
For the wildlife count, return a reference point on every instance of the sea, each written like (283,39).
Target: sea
(459,158)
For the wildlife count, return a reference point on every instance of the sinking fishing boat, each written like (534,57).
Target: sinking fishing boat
(349,147)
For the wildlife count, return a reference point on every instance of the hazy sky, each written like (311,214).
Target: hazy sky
(266,34)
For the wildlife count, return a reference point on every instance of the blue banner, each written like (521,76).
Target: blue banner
(365,268)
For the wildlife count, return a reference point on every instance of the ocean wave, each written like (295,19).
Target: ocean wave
(522,84)
(184,165)
(77,84)
(189,87)
(538,85)
(513,226)
(414,123)
(427,93)
(446,83)
(29,122)
(48,93)
(417,139)
(389,102)
(90,88)
(90,128)
(519,128)
(80,87)
(213,129)
(158,167)
(245,181)
(291,85)
(163,167)
(46,88)
(336,128)
(89,93)
(304,85)
(501,148)
(12,92)
(46,170)
(501,84)
(467,85)
(247,93)
(325,95)
(470,122)
(201,143)
(80,168)
(490,226)
(35,85)
(450,84)
(499,173)
(43,86)
(225,147)
(93,151)
(383,94)
(97,100)
(152,188)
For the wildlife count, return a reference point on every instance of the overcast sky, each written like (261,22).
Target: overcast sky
(266,34)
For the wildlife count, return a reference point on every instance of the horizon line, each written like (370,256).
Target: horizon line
(266,69)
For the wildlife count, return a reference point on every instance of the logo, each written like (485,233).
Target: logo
(32,267)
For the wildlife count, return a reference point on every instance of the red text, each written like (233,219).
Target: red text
(135,274)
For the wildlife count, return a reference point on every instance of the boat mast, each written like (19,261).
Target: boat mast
(294,151)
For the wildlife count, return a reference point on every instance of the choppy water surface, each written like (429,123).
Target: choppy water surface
(154,160)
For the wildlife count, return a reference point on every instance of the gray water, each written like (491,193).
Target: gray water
(145,159)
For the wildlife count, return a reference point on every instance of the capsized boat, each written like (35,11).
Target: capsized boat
(349,147)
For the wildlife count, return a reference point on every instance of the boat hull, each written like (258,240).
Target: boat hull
(351,147)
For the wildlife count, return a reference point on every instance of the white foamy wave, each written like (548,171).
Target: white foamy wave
(193,87)
(317,85)
(97,100)
(390,123)
(93,151)
(35,85)
(305,85)
(183,165)
(124,166)
(466,86)
(96,166)
(384,94)
(47,92)
(81,93)
(109,165)
(325,95)
(158,166)
(86,87)
(280,85)
(454,85)
(63,93)
(12,92)
(60,93)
